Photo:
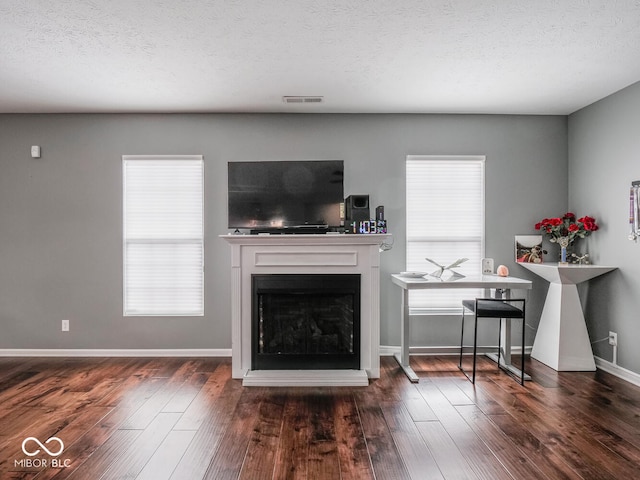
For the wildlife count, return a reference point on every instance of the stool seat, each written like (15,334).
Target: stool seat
(493,308)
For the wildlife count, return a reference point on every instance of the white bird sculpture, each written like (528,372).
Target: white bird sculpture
(441,268)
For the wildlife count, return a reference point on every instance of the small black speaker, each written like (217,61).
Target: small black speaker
(356,209)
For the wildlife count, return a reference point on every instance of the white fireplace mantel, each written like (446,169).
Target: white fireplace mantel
(305,254)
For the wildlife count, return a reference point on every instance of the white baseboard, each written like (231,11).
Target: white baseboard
(617,371)
(390,350)
(134,352)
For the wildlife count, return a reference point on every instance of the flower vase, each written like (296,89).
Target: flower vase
(564,243)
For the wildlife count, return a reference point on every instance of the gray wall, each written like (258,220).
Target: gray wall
(604,158)
(60,215)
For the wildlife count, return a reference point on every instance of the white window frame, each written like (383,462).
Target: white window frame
(158,242)
(442,301)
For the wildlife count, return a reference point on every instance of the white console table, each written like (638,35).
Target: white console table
(562,341)
(487,282)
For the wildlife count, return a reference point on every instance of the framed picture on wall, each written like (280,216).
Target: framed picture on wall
(529,248)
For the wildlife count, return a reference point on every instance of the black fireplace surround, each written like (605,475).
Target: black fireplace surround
(305,322)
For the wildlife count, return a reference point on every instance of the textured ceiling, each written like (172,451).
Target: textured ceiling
(419,56)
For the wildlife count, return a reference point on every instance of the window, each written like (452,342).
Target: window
(445,221)
(163,239)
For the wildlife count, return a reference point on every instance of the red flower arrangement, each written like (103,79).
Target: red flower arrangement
(568,227)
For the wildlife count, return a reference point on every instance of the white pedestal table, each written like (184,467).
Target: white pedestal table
(562,341)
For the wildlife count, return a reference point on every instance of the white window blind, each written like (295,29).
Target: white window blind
(445,221)
(163,241)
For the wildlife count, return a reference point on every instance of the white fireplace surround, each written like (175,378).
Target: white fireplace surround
(305,254)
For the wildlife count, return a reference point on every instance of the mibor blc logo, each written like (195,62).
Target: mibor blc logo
(53,447)
(26,443)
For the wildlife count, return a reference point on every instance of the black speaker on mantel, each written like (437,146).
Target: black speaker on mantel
(356,209)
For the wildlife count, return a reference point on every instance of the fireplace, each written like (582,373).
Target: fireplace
(297,256)
(305,322)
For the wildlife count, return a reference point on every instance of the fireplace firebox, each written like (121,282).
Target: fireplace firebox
(305,322)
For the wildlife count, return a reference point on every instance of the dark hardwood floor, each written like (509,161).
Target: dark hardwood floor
(186,419)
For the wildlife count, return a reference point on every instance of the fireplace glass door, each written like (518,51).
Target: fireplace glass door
(305,322)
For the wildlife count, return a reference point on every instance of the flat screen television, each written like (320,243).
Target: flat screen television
(291,194)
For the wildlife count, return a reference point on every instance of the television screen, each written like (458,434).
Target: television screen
(283,194)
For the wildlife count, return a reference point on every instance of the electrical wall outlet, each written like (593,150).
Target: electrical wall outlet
(65,325)
(613,339)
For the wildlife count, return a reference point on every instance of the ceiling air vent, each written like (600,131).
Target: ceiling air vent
(297,99)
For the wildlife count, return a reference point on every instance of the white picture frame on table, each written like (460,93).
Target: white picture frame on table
(528,249)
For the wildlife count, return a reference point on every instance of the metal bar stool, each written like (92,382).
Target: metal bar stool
(491,308)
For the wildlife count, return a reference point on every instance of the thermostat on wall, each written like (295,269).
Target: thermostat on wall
(35,151)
